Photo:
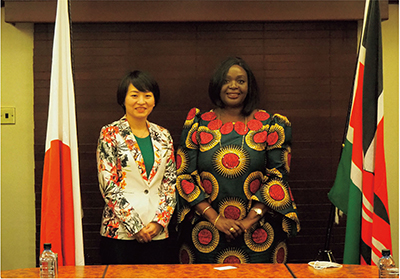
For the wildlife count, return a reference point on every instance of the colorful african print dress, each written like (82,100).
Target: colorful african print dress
(231,165)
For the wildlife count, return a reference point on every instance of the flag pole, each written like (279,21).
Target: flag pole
(71,41)
(326,253)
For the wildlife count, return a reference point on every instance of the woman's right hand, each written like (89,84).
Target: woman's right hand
(230,227)
(143,236)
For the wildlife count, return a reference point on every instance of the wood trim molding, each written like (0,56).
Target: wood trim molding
(96,11)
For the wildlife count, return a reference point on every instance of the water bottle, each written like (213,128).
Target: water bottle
(48,262)
(385,263)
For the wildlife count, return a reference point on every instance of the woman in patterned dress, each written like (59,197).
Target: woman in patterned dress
(137,175)
(234,203)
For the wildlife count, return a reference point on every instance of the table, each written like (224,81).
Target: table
(88,271)
(346,271)
(201,271)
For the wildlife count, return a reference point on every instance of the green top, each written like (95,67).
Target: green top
(146,147)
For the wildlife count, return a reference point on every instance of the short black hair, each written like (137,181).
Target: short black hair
(143,81)
(217,80)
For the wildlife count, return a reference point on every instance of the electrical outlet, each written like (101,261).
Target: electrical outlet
(7,115)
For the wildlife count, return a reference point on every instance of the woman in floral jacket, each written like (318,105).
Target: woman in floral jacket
(137,175)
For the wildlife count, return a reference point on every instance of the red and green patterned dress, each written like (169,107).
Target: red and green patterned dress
(231,165)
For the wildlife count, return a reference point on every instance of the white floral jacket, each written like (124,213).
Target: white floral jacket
(132,199)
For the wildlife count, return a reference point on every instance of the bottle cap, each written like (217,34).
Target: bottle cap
(47,246)
(386,252)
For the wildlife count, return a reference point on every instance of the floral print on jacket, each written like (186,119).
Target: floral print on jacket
(132,199)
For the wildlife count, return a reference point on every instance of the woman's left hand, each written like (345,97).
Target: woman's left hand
(153,229)
(247,223)
(147,234)
(253,216)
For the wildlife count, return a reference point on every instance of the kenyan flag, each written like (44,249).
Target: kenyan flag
(360,186)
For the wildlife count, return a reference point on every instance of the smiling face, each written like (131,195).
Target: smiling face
(235,87)
(138,104)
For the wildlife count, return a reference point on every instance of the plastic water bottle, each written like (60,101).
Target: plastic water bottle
(385,263)
(48,262)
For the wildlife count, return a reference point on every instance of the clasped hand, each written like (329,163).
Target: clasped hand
(146,234)
(234,228)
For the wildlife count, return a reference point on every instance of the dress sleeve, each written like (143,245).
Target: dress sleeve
(167,188)
(275,191)
(188,184)
(279,141)
(110,162)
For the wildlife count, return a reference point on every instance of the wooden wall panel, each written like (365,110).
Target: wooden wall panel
(43,11)
(304,71)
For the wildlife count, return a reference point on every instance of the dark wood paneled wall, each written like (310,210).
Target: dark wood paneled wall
(304,69)
(43,11)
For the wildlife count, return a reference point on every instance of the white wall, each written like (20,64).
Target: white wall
(17,152)
(390,44)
